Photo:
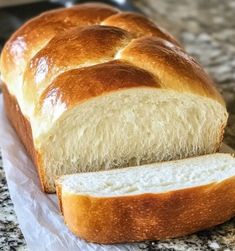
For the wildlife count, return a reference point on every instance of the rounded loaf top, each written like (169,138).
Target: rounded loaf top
(38,31)
(46,49)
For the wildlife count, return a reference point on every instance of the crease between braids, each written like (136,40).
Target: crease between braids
(142,44)
(17,43)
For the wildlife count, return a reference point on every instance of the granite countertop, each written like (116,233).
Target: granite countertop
(207,30)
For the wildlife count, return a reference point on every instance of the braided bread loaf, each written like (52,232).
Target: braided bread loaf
(90,88)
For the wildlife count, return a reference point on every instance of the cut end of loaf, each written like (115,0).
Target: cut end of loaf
(128,128)
(130,96)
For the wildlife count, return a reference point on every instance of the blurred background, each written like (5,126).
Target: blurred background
(205,28)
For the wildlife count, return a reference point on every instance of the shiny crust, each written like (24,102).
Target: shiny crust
(37,32)
(78,47)
(173,66)
(64,39)
(167,63)
(70,88)
(24,131)
(148,216)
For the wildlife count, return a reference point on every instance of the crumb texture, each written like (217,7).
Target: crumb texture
(154,178)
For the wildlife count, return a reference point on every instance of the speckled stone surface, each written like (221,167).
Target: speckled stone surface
(207,30)
(11,237)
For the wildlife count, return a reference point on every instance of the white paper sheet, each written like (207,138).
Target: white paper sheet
(38,213)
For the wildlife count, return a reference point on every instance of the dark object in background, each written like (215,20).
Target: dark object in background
(125,5)
(14,16)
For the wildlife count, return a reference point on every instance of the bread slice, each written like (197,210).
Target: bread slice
(157,201)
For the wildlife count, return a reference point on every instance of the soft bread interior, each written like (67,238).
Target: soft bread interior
(154,178)
(127,128)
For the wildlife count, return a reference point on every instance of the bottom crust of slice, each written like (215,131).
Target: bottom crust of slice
(143,217)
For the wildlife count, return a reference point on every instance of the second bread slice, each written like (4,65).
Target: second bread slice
(149,202)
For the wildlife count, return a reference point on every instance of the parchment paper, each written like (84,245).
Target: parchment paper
(38,213)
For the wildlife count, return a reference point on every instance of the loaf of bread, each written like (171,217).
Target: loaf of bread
(89,88)
(151,202)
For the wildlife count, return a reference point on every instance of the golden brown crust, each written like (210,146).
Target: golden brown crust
(37,32)
(175,69)
(16,118)
(24,131)
(159,53)
(138,25)
(155,58)
(77,85)
(75,48)
(149,216)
